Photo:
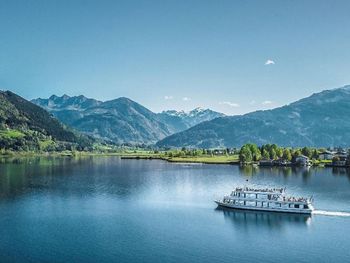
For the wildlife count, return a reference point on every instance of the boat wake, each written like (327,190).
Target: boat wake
(331,213)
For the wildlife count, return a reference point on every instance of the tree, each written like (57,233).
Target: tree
(296,153)
(335,159)
(265,154)
(255,152)
(245,155)
(307,152)
(273,154)
(279,152)
(287,155)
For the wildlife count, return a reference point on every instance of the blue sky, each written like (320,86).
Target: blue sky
(176,54)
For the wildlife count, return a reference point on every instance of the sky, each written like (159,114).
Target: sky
(233,56)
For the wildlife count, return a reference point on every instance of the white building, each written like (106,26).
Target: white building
(302,160)
(326,155)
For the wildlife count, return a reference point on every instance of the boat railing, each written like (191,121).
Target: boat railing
(297,199)
(261,190)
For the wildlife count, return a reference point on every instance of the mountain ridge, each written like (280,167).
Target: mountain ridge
(321,119)
(121,120)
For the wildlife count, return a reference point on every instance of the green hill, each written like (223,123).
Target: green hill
(25,126)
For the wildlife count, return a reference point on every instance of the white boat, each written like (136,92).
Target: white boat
(266,199)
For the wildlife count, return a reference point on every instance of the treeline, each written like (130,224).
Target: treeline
(197,152)
(253,153)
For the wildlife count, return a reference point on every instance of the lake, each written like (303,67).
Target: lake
(104,209)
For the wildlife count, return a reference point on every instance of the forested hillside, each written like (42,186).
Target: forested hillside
(25,126)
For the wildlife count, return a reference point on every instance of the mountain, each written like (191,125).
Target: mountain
(24,125)
(323,119)
(121,120)
(180,120)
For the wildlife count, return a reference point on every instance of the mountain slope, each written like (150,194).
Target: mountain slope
(121,120)
(322,119)
(31,123)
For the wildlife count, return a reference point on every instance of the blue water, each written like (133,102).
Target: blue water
(103,209)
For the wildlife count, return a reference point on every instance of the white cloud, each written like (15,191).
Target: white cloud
(231,104)
(267,102)
(252,102)
(168,97)
(186,99)
(269,62)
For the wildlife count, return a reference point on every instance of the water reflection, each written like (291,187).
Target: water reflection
(77,176)
(246,218)
(249,170)
(341,171)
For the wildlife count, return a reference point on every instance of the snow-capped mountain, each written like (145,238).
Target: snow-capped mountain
(181,120)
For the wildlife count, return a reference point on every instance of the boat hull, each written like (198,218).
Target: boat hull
(267,209)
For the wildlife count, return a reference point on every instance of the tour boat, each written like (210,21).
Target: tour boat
(266,199)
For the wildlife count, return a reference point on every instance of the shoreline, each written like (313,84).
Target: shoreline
(178,160)
(195,160)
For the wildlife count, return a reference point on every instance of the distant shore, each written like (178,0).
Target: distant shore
(149,155)
(202,159)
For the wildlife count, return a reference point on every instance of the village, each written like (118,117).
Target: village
(327,158)
(273,155)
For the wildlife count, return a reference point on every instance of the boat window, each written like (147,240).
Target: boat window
(296,206)
(306,207)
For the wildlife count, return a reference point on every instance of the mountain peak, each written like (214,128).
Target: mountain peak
(53,97)
(189,118)
(125,99)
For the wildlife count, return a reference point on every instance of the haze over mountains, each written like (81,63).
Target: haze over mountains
(121,120)
(323,119)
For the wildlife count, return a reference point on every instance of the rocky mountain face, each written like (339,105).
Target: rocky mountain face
(121,120)
(323,119)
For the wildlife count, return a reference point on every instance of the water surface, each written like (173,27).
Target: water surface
(103,209)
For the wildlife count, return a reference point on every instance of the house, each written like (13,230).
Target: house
(302,160)
(219,152)
(326,155)
(340,159)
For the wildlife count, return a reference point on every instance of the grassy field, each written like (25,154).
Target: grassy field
(230,159)
(215,159)
(11,134)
